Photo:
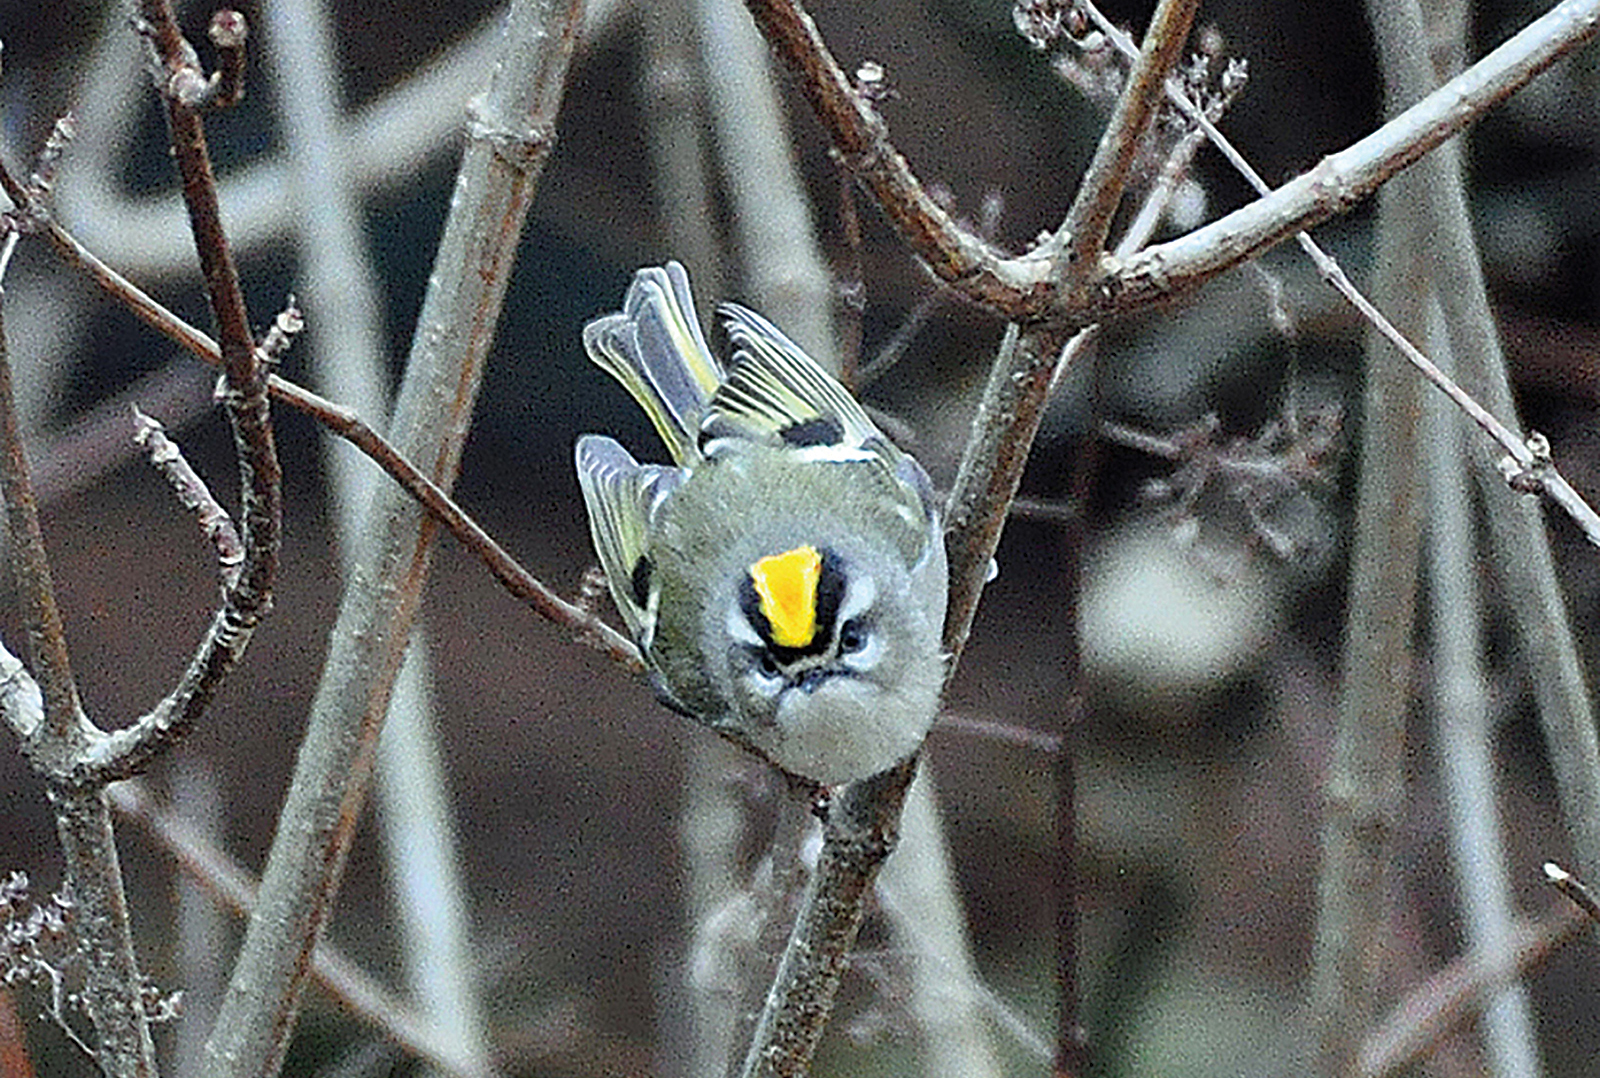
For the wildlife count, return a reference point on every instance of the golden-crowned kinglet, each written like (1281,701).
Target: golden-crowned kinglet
(786,581)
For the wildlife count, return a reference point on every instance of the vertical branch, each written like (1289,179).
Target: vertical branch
(510,137)
(1031,355)
(182,85)
(75,758)
(1518,539)
(1072,1058)
(61,732)
(1366,779)
(114,987)
(991,469)
(858,834)
(112,992)
(1088,223)
(1462,716)
(349,359)
(860,829)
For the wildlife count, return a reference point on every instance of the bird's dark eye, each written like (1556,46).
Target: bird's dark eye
(767,665)
(852,637)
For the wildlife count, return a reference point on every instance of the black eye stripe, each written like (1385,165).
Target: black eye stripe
(830,593)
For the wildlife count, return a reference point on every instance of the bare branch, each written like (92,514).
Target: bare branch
(859,833)
(228,31)
(126,751)
(193,494)
(862,141)
(1454,994)
(509,138)
(233,887)
(65,729)
(246,398)
(1082,237)
(1019,288)
(1527,466)
(1343,179)
(1575,889)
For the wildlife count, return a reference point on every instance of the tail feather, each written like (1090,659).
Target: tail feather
(656,349)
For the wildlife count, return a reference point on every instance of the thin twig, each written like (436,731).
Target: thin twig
(894,349)
(1575,889)
(1453,995)
(587,626)
(193,494)
(1527,467)
(1082,236)
(228,32)
(1004,733)
(95,443)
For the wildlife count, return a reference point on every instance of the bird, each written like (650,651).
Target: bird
(785,576)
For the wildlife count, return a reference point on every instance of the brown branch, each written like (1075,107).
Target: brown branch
(341,421)
(861,141)
(246,396)
(74,756)
(63,732)
(1455,993)
(1082,237)
(193,494)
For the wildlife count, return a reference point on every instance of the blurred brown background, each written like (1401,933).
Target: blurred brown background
(1211,677)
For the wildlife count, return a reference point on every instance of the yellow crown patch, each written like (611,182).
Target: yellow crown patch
(787,587)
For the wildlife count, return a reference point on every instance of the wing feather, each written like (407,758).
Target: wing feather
(621,495)
(775,394)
